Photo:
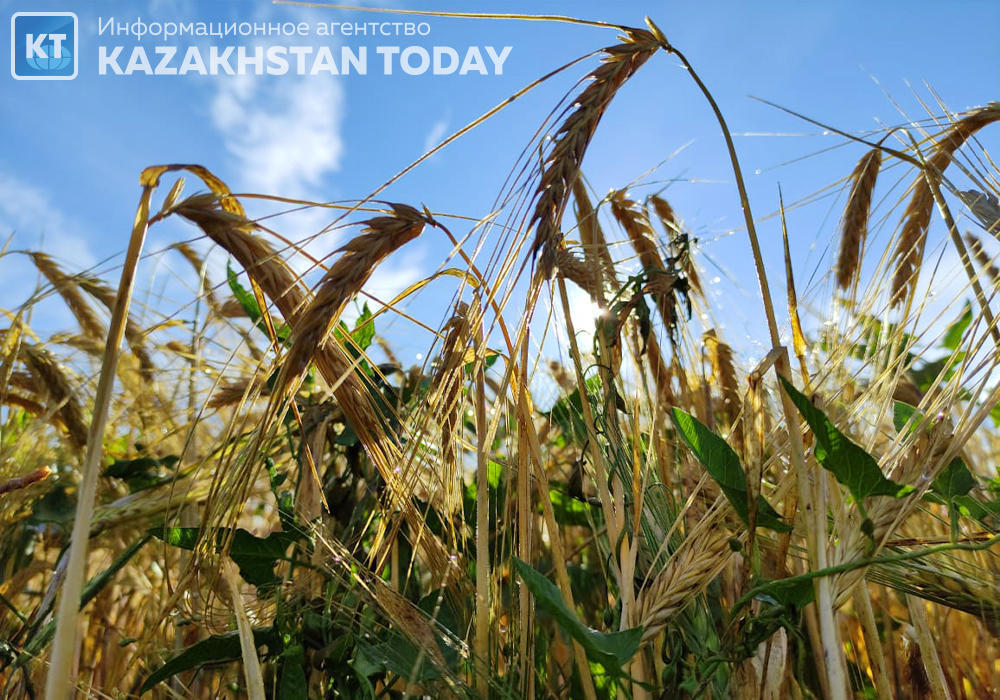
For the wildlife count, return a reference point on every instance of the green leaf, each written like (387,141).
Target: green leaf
(293,685)
(245,298)
(218,648)
(364,667)
(255,556)
(723,464)
(490,359)
(570,511)
(983,511)
(364,329)
(612,650)
(143,472)
(901,415)
(362,335)
(954,481)
(251,308)
(953,336)
(795,592)
(845,459)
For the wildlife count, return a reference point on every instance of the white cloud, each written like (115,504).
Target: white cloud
(27,211)
(436,134)
(284,133)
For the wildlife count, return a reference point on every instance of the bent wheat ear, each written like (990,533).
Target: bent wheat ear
(224,222)
(380,237)
(68,288)
(103,292)
(577,271)
(916,219)
(234,233)
(562,162)
(53,381)
(855,223)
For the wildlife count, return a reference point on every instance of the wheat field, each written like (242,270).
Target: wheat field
(246,493)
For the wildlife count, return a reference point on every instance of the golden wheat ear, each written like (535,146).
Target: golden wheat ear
(917,216)
(562,162)
(381,236)
(854,228)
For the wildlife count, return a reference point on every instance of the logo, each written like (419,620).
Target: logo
(43,45)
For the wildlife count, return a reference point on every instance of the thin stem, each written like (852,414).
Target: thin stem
(811,492)
(59,681)
(873,645)
(482,524)
(457,15)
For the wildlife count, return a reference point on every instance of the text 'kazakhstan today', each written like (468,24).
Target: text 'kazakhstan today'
(301,60)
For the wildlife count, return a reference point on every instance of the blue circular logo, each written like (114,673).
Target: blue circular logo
(49,62)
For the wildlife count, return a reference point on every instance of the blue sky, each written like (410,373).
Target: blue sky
(73,149)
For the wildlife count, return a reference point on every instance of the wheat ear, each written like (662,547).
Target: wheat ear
(51,378)
(68,288)
(675,228)
(854,228)
(380,237)
(917,216)
(562,163)
(698,561)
